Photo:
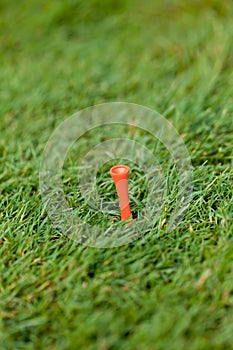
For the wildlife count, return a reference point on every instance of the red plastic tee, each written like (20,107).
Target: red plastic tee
(120,174)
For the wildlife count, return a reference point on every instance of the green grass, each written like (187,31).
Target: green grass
(163,291)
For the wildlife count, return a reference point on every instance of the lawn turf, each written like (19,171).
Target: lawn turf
(163,291)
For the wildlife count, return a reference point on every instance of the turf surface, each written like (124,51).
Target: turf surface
(163,291)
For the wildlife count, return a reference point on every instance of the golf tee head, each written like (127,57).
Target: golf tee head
(120,174)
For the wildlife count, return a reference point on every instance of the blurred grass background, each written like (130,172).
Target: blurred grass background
(163,291)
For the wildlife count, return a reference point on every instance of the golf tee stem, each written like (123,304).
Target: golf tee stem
(120,174)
